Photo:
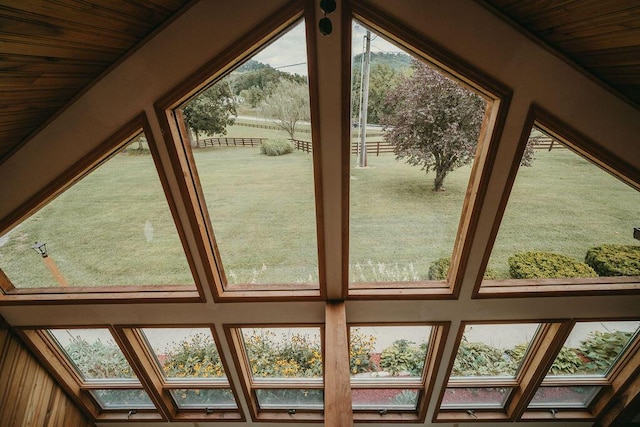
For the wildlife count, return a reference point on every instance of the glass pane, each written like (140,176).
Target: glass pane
(564,397)
(94,353)
(475,397)
(185,353)
(379,353)
(493,350)
(190,398)
(290,399)
(407,118)
(112,228)
(283,352)
(122,399)
(561,211)
(592,348)
(258,189)
(381,398)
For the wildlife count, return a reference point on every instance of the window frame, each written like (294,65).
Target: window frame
(233,333)
(618,378)
(590,151)
(544,348)
(498,98)
(526,378)
(183,163)
(136,342)
(102,294)
(54,359)
(424,385)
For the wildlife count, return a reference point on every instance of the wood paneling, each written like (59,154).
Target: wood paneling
(602,36)
(29,396)
(50,51)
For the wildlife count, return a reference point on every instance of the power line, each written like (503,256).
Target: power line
(290,65)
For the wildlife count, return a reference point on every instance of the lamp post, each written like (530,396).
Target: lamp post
(41,249)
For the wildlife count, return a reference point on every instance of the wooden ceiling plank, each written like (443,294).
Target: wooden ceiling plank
(21,110)
(13,47)
(604,25)
(629,55)
(8,108)
(571,11)
(90,14)
(58,43)
(40,29)
(527,7)
(32,115)
(608,41)
(45,64)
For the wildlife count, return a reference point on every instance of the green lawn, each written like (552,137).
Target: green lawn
(114,227)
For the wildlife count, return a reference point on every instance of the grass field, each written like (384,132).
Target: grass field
(114,227)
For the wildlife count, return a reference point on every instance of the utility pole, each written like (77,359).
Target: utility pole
(362,154)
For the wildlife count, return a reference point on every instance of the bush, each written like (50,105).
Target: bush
(614,260)
(196,357)
(360,349)
(403,356)
(298,356)
(439,268)
(567,362)
(476,358)
(602,348)
(98,359)
(277,147)
(538,265)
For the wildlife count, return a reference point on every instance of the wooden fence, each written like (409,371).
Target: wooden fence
(377,147)
(302,145)
(544,143)
(267,125)
(381,147)
(244,142)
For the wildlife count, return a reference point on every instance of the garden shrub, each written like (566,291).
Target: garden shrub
(602,348)
(299,356)
(538,265)
(360,349)
(98,359)
(614,260)
(403,356)
(276,147)
(439,268)
(194,358)
(476,358)
(567,362)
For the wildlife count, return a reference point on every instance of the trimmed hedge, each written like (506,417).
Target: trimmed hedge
(539,265)
(614,260)
(277,147)
(439,268)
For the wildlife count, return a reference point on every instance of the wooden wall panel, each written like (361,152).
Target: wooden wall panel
(29,395)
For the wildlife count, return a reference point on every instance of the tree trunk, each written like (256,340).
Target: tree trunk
(437,183)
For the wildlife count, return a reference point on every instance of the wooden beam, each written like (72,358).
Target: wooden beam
(337,390)
(620,403)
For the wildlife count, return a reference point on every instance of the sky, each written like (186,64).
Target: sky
(289,52)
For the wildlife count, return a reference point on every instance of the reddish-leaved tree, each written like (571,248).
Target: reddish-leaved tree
(434,123)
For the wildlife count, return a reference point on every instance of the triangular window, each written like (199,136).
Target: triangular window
(112,228)
(249,136)
(415,134)
(566,219)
